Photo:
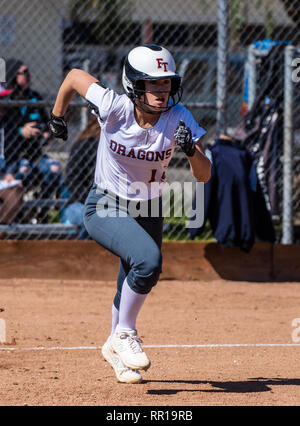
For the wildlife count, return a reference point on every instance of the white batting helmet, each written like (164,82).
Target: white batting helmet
(150,62)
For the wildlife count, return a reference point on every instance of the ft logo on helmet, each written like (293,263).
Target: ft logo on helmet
(161,64)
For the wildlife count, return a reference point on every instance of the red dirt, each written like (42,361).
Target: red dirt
(72,314)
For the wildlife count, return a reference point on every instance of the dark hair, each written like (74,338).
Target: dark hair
(12,67)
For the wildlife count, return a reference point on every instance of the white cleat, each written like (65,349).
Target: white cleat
(123,373)
(127,345)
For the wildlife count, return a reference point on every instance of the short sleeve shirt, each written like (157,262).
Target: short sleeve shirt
(131,160)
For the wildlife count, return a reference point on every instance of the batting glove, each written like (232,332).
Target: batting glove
(183,138)
(58,127)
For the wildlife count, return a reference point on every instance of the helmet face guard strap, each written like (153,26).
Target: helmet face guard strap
(150,62)
(139,92)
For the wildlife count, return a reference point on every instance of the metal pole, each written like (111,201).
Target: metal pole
(223,28)
(38,104)
(252,76)
(84,110)
(287,217)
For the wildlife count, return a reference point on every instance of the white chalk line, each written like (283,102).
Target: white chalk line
(217,345)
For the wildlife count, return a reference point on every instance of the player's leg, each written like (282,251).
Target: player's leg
(131,301)
(143,256)
(124,269)
(126,238)
(153,226)
(123,373)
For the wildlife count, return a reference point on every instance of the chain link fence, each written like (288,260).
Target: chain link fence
(294,136)
(49,38)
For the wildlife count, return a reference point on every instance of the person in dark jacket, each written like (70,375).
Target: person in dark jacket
(25,134)
(79,175)
(233,200)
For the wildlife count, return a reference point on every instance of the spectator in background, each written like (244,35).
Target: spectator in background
(11,200)
(25,134)
(80,175)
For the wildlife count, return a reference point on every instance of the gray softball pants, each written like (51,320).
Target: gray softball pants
(135,240)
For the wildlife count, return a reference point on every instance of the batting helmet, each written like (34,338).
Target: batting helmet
(150,62)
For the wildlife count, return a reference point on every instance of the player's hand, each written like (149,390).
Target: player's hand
(58,127)
(183,138)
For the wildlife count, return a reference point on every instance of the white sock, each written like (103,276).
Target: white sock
(130,305)
(114,320)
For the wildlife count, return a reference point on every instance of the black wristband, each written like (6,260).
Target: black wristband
(190,151)
(57,116)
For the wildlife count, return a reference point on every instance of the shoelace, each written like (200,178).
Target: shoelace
(133,341)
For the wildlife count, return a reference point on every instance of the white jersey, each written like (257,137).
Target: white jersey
(129,158)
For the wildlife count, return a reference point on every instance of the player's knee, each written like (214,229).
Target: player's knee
(145,274)
(154,262)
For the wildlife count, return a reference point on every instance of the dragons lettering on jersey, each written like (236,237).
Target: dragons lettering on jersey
(139,154)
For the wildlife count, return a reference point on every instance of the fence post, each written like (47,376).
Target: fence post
(84,109)
(147,31)
(252,76)
(287,216)
(223,28)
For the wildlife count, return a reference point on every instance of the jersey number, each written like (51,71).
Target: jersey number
(153,174)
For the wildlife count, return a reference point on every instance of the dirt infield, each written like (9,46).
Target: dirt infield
(211,342)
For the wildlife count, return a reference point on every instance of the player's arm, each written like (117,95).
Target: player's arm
(200,164)
(76,81)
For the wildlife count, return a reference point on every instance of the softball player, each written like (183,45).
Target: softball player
(139,133)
